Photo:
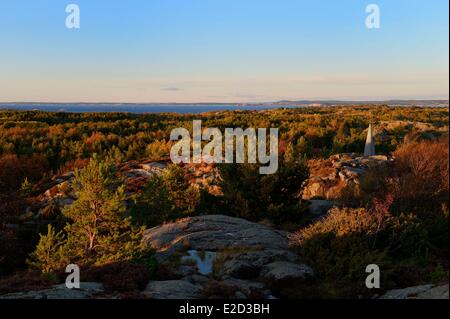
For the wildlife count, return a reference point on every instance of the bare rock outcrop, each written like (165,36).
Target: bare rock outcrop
(329,178)
(283,271)
(213,233)
(172,289)
(88,290)
(418,292)
(246,255)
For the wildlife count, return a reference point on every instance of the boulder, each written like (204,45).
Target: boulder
(196,279)
(248,264)
(439,292)
(243,286)
(185,270)
(212,233)
(240,250)
(172,289)
(240,269)
(245,256)
(286,271)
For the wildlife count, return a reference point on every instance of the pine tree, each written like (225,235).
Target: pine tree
(49,254)
(99,231)
(154,205)
(184,196)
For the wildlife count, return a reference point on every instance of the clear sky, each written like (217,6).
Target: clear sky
(222,50)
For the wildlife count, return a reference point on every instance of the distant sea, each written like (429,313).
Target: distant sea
(136,108)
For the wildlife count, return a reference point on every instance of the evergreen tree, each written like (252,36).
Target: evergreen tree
(154,205)
(98,232)
(250,195)
(184,196)
(166,197)
(49,254)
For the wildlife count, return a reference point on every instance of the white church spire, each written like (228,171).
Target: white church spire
(369,149)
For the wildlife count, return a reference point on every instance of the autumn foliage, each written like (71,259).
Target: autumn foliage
(14,170)
(421,174)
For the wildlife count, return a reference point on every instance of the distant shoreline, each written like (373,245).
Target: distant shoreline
(186,108)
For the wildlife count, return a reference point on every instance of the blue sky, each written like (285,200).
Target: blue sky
(222,50)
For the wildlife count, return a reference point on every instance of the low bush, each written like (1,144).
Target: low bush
(343,244)
(25,281)
(120,276)
(12,252)
(250,195)
(420,181)
(340,246)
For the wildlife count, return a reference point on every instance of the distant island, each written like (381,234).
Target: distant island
(185,108)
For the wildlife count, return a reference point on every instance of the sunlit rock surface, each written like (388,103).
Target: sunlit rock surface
(232,252)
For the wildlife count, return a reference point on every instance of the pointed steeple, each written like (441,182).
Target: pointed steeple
(369,149)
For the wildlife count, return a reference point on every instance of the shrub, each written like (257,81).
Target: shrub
(51,211)
(119,276)
(11,207)
(25,281)
(250,195)
(438,232)
(408,238)
(14,170)
(421,175)
(147,258)
(439,273)
(158,150)
(373,183)
(343,244)
(12,254)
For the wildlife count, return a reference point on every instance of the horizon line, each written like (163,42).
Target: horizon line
(250,103)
